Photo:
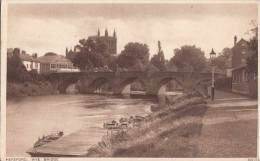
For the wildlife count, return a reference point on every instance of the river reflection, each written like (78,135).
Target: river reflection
(32,117)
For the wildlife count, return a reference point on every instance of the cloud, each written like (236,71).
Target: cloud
(53,28)
(40,35)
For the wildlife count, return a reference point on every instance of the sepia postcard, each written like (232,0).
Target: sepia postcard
(129,80)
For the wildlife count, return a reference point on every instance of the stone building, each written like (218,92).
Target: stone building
(240,52)
(243,81)
(110,41)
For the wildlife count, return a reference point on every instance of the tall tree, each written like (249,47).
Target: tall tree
(16,71)
(223,61)
(189,58)
(252,60)
(133,53)
(90,54)
(158,59)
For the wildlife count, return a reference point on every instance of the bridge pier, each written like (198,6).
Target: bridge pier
(119,82)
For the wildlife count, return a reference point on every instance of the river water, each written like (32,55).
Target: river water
(31,117)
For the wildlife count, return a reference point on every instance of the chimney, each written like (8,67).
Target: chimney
(235,40)
(34,55)
(67,51)
(98,33)
(16,52)
(106,33)
(23,52)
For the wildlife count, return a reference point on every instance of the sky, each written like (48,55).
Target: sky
(53,27)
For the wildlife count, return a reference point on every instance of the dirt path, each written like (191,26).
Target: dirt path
(229,131)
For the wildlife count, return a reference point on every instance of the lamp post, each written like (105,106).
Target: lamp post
(212,56)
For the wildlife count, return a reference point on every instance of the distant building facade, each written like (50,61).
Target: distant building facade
(240,53)
(51,62)
(70,54)
(243,81)
(110,41)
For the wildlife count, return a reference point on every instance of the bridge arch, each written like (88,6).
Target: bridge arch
(124,85)
(97,83)
(159,88)
(65,83)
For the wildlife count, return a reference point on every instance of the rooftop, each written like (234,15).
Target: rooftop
(27,57)
(54,59)
(241,41)
(239,67)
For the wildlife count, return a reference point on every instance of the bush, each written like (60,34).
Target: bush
(16,71)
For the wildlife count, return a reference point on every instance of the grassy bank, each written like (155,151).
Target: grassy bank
(167,132)
(38,88)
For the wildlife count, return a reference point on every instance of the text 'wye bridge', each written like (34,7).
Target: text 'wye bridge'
(117,81)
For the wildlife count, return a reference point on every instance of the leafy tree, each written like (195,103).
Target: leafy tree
(91,54)
(111,62)
(226,52)
(133,54)
(223,60)
(252,60)
(158,60)
(189,58)
(16,71)
(139,66)
(170,66)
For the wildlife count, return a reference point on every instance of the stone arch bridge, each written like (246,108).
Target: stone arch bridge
(117,81)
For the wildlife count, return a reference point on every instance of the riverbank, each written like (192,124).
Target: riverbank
(187,127)
(38,88)
(176,123)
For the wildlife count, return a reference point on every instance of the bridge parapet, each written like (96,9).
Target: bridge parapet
(118,80)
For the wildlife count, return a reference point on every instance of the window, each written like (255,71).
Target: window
(243,44)
(235,77)
(245,76)
(238,78)
(53,65)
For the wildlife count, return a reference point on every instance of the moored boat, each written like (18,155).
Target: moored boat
(111,125)
(48,138)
